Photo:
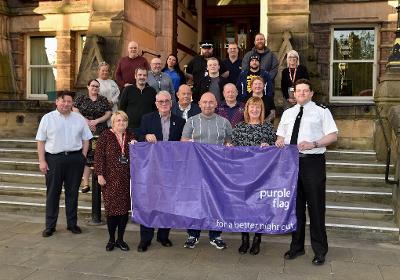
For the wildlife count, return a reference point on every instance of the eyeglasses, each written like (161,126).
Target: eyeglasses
(95,86)
(163,102)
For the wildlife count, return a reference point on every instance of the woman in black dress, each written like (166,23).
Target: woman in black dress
(112,169)
(254,131)
(291,74)
(96,110)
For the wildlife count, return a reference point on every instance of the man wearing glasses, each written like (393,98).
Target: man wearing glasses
(159,126)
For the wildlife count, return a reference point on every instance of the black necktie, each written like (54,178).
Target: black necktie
(296,126)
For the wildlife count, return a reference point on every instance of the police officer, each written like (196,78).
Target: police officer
(311,128)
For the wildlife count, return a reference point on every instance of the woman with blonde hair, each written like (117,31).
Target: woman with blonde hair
(291,74)
(113,175)
(108,87)
(253,131)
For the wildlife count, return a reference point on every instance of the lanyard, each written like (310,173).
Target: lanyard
(294,75)
(121,144)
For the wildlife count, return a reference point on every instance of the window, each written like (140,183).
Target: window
(80,45)
(353,67)
(42,72)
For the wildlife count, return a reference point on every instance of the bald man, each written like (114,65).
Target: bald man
(159,80)
(185,108)
(126,66)
(207,127)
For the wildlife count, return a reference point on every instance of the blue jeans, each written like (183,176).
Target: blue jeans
(211,234)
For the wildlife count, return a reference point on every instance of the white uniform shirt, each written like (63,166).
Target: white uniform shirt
(315,124)
(63,134)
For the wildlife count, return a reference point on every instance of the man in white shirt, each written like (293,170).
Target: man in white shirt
(311,128)
(62,142)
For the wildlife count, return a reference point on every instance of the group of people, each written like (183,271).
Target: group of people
(230,103)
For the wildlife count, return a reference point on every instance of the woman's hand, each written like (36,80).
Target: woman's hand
(133,141)
(229,144)
(280,142)
(264,145)
(101,180)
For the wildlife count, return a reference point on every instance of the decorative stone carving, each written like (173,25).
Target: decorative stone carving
(92,55)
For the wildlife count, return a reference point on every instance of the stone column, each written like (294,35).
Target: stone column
(7,77)
(65,60)
(164,27)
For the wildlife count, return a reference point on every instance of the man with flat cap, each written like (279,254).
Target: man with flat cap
(197,67)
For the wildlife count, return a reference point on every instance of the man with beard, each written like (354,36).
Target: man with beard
(128,64)
(244,82)
(268,60)
(197,67)
(137,100)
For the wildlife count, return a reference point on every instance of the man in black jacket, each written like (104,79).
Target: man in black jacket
(137,100)
(213,82)
(159,126)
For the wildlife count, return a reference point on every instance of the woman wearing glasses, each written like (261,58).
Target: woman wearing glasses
(292,73)
(96,110)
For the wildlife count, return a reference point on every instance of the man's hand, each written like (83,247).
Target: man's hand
(151,138)
(43,167)
(304,145)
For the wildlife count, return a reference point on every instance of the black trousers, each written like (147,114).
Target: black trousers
(147,233)
(67,170)
(311,191)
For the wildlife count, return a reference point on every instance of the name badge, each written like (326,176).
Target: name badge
(291,92)
(123,159)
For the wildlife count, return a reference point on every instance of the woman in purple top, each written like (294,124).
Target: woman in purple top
(173,70)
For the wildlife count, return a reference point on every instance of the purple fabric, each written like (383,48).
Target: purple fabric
(201,186)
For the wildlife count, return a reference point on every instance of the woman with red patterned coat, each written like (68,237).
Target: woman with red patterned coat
(112,169)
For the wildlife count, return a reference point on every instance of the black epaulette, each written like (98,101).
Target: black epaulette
(322,105)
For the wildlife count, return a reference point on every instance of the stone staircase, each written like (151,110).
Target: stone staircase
(358,199)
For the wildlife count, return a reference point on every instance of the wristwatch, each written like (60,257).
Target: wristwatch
(315,144)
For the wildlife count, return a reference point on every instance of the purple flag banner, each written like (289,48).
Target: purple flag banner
(200,186)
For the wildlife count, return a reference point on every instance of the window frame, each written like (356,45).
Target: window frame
(374,61)
(29,94)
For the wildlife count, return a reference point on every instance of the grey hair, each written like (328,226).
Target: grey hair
(164,92)
(292,53)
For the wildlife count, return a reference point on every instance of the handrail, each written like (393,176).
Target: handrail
(388,150)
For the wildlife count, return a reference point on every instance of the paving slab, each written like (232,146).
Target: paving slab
(53,275)
(355,271)
(375,257)
(390,272)
(14,272)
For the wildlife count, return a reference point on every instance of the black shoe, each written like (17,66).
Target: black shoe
(85,189)
(48,232)
(318,260)
(75,229)
(255,247)
(110,246)
(245,244)
(165,243)
(291,255)
(122,245)
(142,247)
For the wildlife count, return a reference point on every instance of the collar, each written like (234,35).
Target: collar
(188,107)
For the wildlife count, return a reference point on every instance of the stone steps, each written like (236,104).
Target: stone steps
(358,199)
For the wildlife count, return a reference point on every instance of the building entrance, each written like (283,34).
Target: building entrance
(234,21)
